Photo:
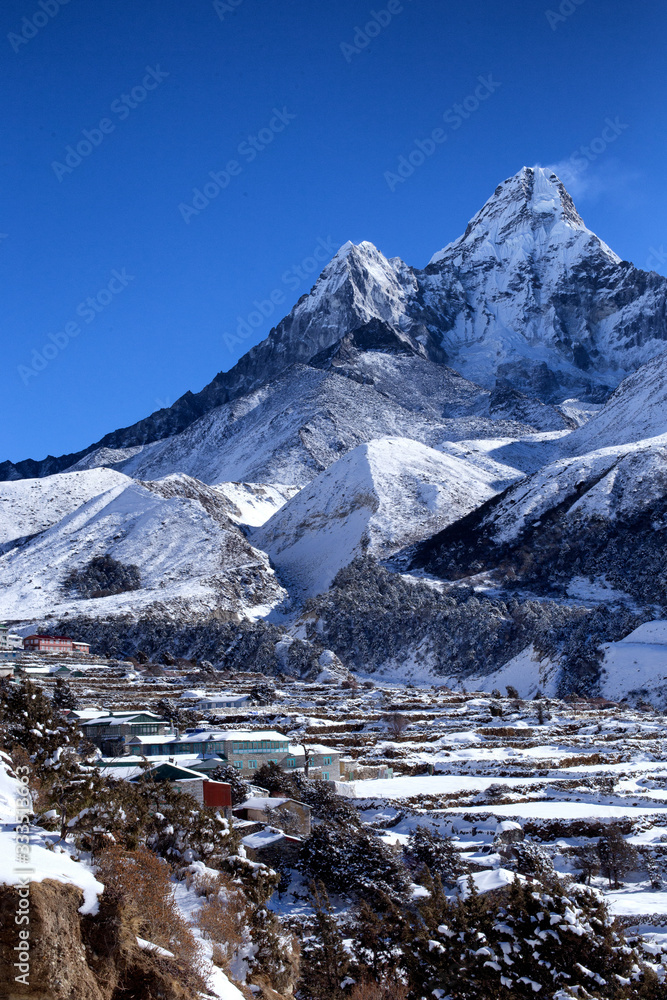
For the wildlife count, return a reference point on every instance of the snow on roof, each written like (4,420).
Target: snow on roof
(121,718)
(262,838)
(263,802)
(296,749)
(237,735)
(89,713)
(187,772)
(157,738)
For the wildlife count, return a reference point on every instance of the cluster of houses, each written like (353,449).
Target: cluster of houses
(272,827)
(128,737)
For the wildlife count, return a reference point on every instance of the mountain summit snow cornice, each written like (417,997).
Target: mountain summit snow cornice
(527,294)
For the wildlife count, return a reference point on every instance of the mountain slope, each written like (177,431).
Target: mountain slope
(374,383)
(637,410)
(594,526)
(357,285)
(376,499)
(191,556)
(528,294)
(31,505)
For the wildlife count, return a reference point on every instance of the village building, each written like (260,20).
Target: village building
(246,750)
(8,640)
(272,847)
(212,702)
(114,733)
(289,815)
(11,647)
(54,644)
(216,794)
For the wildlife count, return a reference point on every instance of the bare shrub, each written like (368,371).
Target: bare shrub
(102,577)
(396,723)
(371,989)
(223,917)
(142,882)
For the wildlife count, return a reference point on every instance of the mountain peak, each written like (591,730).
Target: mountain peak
(531,204)
(536,193)
(359,248)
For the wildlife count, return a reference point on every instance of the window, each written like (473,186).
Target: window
(325,775)
(326,760)
(238,763)
(252,764)
(290,762)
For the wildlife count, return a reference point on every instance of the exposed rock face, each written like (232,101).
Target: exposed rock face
(536,297)
(82,958)
(527,294)
(297,425)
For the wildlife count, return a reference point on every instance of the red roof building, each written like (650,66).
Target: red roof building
(54,644)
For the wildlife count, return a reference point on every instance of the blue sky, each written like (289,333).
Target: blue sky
(129,297)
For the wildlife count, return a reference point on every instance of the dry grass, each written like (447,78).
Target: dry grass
(223,917)
(142,881)
(370,989)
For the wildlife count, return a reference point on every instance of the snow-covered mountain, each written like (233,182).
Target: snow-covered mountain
(191,557)
(374,383)
(594,527)
(637,410)
(376,499)
(536,297)
(454,421)
(31,505)
(528,294)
